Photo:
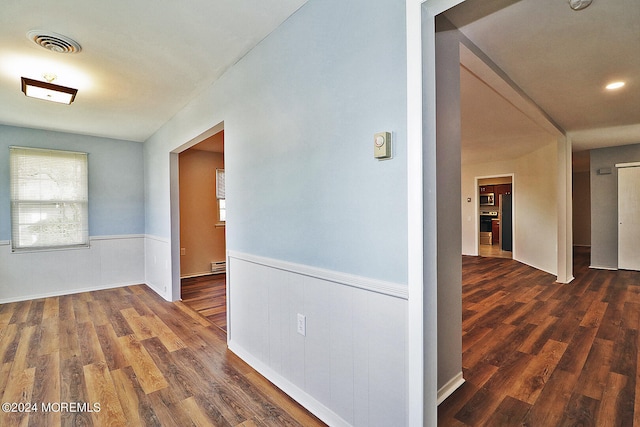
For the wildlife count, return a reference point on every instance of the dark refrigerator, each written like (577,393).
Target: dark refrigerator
(506,223)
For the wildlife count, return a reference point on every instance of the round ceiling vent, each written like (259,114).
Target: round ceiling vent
(54,42)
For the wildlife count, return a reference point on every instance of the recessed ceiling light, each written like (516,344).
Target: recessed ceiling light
(614,85)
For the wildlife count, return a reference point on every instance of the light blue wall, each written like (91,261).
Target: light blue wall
(116,187)
(299,114)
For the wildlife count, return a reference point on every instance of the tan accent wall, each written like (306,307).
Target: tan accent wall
(201,241)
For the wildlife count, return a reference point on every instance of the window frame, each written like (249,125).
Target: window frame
(221,197)
(41,203)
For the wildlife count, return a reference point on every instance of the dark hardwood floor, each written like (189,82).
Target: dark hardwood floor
(539,353)
(535,353)
(142,360)
(208,296)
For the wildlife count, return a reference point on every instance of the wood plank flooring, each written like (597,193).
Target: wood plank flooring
(494,251)
(539,353)
(144,361)
(208,296)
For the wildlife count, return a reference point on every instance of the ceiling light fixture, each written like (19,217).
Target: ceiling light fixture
(47,90)
(614,85)
(579,4)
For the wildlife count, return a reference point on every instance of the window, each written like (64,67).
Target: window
(49,199)
(220,195)
(222,210)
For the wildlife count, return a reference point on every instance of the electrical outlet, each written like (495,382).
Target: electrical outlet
(302,325)
(183,251)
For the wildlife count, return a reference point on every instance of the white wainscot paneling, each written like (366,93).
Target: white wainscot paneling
(350,368)
(157,265)
(110,261)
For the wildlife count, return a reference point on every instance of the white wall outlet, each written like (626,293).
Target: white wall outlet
(302,325)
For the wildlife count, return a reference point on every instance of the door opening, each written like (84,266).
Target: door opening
(198,226)
(496,217)
(202,229)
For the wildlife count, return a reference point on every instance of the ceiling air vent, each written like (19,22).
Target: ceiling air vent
(54,42)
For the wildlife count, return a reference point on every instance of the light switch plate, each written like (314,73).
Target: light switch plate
(382,145)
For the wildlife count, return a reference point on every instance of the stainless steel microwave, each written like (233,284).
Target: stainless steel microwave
(487,199)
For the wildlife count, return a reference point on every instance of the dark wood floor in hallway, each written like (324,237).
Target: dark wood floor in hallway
(539,353)
(208,296)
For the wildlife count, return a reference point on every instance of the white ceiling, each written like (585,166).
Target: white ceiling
(492,128)
(562,60)
(141,61)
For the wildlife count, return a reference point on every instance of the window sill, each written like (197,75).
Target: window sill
(49,249)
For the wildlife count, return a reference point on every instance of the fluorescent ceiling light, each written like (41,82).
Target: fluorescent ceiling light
(48,91)
(614,85)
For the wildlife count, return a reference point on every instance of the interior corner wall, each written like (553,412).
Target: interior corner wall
(448,201)
(116,221)
(300,111)
(604,202)
(535,205)
(581,209)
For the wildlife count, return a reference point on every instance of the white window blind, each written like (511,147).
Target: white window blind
(220,195)
(220,186)
(49,199)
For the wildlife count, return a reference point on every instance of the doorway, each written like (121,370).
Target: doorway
(496,216)
(202,213)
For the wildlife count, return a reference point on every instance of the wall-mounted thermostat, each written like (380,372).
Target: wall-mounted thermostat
(382,145)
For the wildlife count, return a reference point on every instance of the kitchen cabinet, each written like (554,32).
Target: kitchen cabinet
(495,231)
(486,189)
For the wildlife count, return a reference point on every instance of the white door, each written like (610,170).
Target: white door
(629,218)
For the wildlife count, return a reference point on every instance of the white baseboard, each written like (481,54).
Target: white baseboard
(297,394)
(452,385)
(207,273)
(597,267)
(555,273)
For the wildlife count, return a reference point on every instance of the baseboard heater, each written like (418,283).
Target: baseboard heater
(218,267)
